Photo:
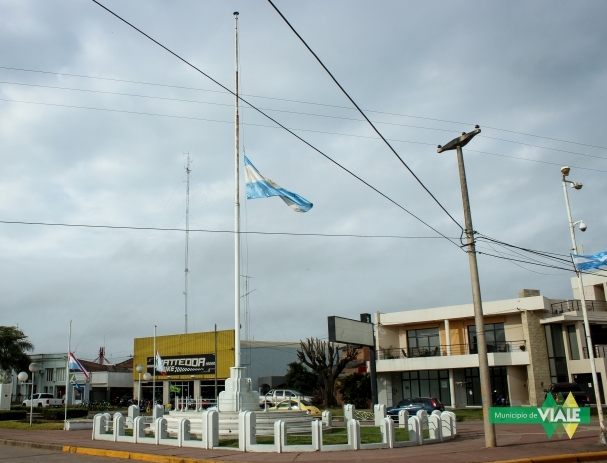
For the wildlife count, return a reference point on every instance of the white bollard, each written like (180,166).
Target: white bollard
(160,430)
(210,429)
(379,413)
(434,427)
(423,418)
(157,411)
(317,435)
(107,421)
(437,412)
(183,431)
(327,418)
(99,425)
(387,432)
(280,435)
(138,429)
(118,426)
(415,431)
(447,426)
(403,418)
(353,427)
(349,413)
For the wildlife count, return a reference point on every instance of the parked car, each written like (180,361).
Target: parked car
(302,404)
(415,404)
(44,400)
(274,396)
(580,396)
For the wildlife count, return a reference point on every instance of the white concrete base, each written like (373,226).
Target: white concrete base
(238,394)
(77,425)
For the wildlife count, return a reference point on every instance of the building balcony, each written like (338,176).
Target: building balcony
(575,305)
(451,356)
(600,351)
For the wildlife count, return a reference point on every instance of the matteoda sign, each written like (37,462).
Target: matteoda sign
(553,417)
(185,364)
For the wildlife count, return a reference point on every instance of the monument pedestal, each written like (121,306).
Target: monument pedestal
(238,394)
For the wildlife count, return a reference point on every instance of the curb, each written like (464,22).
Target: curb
(133,455)
(33,445)
(565,458)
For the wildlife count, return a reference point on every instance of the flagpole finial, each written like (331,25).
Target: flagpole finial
(236,13)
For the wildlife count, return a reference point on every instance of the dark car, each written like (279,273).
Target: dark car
(415,404)
(580,396)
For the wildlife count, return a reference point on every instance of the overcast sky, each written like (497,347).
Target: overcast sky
(96,121)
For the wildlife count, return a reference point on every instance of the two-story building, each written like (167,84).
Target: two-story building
(532,341)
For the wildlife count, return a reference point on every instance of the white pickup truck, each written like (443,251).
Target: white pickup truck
(44,400)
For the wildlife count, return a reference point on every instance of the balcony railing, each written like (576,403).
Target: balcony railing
(575,305)
(452,349)
(599,352)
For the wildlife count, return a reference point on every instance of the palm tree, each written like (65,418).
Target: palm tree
(14,346)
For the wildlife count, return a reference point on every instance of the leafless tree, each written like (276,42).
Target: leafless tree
(324,358)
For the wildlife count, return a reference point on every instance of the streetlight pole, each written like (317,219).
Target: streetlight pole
(483,361)
(33,368)
(139,369)
(595,381)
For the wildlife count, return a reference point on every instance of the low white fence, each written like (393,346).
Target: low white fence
(203,432)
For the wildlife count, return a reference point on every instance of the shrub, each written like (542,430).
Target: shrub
(26,409)
(6,415)
(59,413)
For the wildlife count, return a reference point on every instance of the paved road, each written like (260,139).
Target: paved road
(11,454)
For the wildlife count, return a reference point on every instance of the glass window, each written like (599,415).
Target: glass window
(574,349)
(427,383)
(49,374)
(495,338)
(60,375)
(556,353)
(423,343)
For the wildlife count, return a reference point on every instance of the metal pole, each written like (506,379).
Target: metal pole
(236,212)
(154,372)
(483,362)
(589,345)
(215,363)
(67,373)
(32,396)
(187,241)
(365,317)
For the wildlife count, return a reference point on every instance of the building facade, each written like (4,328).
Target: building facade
(532,341)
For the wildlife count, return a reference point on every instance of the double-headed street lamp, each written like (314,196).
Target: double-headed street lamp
(483,362)
(146,377)
(595,382)
(23,378)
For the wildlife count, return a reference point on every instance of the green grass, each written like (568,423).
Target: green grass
(368,435)
(25,425)
(468,414)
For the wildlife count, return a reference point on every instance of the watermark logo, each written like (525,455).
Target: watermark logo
(560,416)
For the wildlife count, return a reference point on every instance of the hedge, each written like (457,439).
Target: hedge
(6,415)
(26,409)
(59,413)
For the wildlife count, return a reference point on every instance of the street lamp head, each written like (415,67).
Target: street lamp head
(34,367)
(140,368)
(577,186)
(147,377)
(583,226)
(22,376)
(565,170)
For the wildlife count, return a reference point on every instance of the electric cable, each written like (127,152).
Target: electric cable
(300,102)
(275,121)
(125,227)
(362,113)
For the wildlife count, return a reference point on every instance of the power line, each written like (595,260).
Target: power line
(155,84)
(141,113)
(125,227)
(362,113)
(275,121)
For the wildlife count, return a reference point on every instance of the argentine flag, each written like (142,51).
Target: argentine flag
(259,186)
(590,262)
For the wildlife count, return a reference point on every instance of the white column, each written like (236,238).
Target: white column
(452,387)
(447,337)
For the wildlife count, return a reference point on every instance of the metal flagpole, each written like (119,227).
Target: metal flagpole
(67,373)
(589,345)
(215,363)
(236,212)
(154,371)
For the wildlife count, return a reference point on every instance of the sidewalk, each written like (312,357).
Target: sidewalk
(514,442)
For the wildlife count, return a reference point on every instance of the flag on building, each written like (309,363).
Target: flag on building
(259,186)
(590,262)
(159,365)
(74,364)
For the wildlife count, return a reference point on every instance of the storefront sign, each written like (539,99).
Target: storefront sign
(185,364)
(561,419)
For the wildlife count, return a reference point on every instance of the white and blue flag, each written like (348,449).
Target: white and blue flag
(259,186)
(590,262)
